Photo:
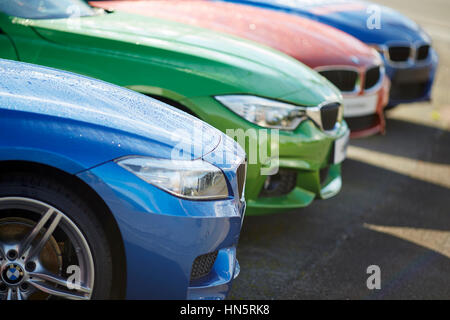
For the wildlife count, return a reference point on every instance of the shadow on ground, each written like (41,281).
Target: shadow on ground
(410,140)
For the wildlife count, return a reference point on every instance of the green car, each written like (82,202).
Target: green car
(263,98)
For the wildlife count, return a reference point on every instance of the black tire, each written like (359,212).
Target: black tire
(51,191)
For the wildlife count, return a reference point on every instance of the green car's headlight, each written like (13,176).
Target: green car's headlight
(279,115)
(196,179)
(263,112)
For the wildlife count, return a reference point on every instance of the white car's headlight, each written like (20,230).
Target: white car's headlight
(381,49)
(196,179)
(263,112)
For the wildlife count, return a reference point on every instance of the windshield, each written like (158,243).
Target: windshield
(46,9)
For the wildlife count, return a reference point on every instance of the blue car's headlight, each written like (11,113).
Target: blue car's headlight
(196,179)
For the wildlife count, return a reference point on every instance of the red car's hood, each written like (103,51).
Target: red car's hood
(310,42)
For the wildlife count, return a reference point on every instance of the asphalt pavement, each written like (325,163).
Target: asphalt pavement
(393,210)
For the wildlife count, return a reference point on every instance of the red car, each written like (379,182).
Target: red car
(356,69)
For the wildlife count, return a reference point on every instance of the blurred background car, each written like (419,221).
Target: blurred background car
(88,180)
(410,59)
(356,69)
(287,116)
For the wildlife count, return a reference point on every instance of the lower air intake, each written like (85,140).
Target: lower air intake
(203,264)
(408,91)
(279,184)
(323,175)
(363,122)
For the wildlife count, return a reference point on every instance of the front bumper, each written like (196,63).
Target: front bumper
(372,121)
(310,156)
(412,82)
(306,150)
(163,235)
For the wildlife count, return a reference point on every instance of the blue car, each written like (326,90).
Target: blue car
(106,193)
(409,58)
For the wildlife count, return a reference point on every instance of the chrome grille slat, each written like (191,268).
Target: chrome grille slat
(241,173)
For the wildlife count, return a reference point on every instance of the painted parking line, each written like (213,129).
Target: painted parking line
(435,173)
(436,240)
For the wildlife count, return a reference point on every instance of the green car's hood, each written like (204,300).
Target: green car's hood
(233,65)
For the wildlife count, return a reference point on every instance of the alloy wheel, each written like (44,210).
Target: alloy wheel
(43,254)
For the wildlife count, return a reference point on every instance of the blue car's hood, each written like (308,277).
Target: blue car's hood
(352,16)
(90,121)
